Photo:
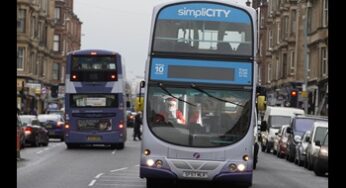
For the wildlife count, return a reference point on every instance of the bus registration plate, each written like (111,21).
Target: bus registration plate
(94,138)
(195,174)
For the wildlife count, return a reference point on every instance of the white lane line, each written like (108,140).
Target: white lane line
(45,149)
(119,169)
(137,165)
(113,152)
(92,183)
(98,175)
(39,152)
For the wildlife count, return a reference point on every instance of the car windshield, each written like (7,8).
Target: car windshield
(303,125)
(278,121)
(325,143)
(197,119)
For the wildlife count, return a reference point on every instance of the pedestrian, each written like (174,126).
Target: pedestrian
(137,126)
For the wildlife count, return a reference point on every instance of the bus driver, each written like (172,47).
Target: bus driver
(174,112)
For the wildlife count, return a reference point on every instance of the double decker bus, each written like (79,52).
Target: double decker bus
(201,54)
(95,105)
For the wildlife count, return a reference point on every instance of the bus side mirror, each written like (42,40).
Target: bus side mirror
(289,130)
(142,84)
(128,104)
(318,143)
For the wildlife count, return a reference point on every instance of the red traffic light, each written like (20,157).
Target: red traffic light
(293,93)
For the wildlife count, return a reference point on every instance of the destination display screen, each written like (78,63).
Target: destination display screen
(205,73)
(201,71)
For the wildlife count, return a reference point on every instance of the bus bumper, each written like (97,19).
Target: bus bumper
(242,178)
(149,172)
(94,138)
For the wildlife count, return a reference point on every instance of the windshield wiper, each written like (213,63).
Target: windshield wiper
(170,94)
(193,86)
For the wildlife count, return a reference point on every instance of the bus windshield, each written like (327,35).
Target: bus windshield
(205,37)
(93,100)
(205,121)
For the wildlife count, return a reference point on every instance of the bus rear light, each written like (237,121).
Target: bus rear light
(121,126)
(27,130)
(113,77)
(67,126)
(93,53)
(74,77)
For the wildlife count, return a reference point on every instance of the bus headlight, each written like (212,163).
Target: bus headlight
(150,162)
(232,167)
(146,152)
(241,167)
(158,163)
(245,157)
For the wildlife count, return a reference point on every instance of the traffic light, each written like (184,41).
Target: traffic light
(294,98)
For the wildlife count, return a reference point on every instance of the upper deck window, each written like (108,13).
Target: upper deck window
(93,63)
(203,28)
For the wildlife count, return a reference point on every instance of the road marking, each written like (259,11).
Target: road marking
(119,169)
(39,152)
(98,175)
(92,183)
(113,152)
(137,165)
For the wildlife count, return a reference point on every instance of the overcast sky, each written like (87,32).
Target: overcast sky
(119,25)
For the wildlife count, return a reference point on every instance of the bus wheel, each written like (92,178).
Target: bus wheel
(71,146)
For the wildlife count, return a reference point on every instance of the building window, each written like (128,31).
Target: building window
(284,65)
(325,13)
(270,39)
(286,27)
(269,78)
(55,71)
(32,61)
(308,66)
(57,13)
(324,61)
(56,43)
(21,20)
(309,24)
(20,58)
(277,71)
(62,77)
(292,64)
(293,21)
(278,33)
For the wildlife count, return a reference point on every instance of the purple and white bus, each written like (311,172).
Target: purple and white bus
(202,53)
(95,102)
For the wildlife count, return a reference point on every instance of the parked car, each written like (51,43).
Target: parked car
(297,128)
(317,135)
(273,119)
(321,163)
(300,157)
(54,123)
(277,137)
(20,136)
(35,134)
(282,144)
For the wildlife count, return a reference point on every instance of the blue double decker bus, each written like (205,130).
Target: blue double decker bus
(201,54)
(95,102)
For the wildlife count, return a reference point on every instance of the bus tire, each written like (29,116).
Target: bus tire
(71,146)
(156,183)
